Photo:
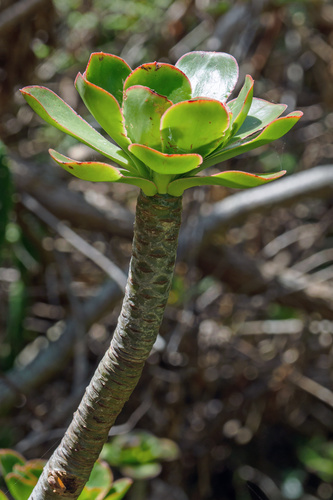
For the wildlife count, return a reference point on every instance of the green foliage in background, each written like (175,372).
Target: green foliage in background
(21,476)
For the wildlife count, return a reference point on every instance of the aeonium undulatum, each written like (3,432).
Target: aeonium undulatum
(169,122)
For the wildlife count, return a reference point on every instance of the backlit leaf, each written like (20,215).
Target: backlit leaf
(241,105)
(173,164)
(95,171)
(261,113)
(230,179)
(273,131)
(164,79)
(105,108)
(57,113)
(108,72)
(195,126)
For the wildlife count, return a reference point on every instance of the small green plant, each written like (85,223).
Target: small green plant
(317,456)
(21,477)
(169,123)
(138,454)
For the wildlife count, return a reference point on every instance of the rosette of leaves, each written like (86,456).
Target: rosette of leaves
(139,454)
(21,476)
(168,122)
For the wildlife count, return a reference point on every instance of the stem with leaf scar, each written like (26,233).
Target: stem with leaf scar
(151,270)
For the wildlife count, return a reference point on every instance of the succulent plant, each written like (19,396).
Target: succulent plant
(169,122)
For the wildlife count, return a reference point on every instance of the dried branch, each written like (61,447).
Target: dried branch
(70,205)
(50,361)
(317,182)
(113,271)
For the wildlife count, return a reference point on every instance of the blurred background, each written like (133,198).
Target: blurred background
(241,378)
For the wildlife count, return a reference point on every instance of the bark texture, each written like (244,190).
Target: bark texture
(153,257)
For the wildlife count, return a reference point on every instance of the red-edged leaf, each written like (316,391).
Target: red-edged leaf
(173,164)
(56,112)
(273,131)
(95,171)
(163,78)
(105,108)
(231,179)
(108,72)
(143,109)
(241,105)
(195,126)
(260,114)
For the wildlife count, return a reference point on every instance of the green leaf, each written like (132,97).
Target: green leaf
(9,458)
(57,113)
(147,186)
(108,72)
(164,79)
(33,468)
(173,164)
(142,471)
(143,109)
(119,489)
(95,171)
(105,108)
(231,179)
(261,113)
(3,496)
(241,105)
(212,74)
(99,482)
(195,126)
(273,131)
(19,487)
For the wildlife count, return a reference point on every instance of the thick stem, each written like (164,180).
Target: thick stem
(151,270)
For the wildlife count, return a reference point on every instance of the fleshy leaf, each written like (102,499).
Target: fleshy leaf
(108,72)
(119,489)
(173,164)
(99,482)
(19,487)
(95,171)
(273,131)
(212,74)
(143,109)
(261,113)
(105,108)
(3,496)
(241,105)
(195,126)
(232,179)
(163,78)
(56,112)
(9,458)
